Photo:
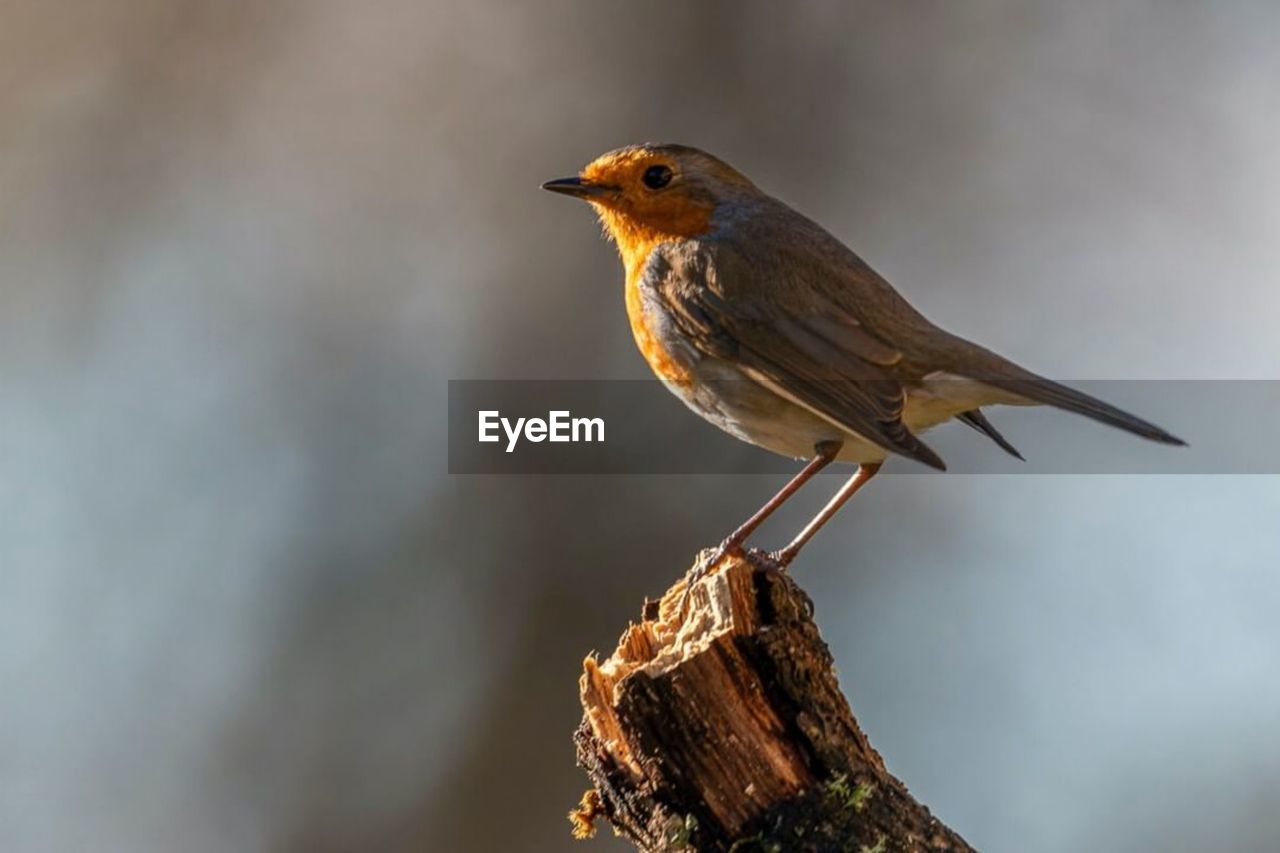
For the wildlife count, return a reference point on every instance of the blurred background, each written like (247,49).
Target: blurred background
(243,247)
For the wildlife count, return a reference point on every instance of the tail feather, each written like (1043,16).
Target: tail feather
(1060,396)
(990,369)
(978,421)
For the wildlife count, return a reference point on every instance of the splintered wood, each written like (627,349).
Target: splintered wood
(723,727)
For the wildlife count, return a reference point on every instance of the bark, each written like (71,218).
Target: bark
(724,729)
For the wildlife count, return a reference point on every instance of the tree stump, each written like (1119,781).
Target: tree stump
(724,729)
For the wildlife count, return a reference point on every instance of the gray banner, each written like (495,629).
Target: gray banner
(638,427)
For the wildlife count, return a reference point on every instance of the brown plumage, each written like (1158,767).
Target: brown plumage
(774,330)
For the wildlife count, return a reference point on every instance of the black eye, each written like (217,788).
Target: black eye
(656,177)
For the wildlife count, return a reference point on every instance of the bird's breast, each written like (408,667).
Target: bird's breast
(719,391)
(669,356)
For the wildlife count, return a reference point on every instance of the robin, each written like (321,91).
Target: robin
(772,329)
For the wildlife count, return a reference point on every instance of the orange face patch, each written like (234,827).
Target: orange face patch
(639,216)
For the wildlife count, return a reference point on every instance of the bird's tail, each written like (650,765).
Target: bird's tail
(1060,396)
(990,369)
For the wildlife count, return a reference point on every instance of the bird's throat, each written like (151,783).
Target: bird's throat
(636,239)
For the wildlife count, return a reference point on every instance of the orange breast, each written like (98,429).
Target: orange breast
(651,347)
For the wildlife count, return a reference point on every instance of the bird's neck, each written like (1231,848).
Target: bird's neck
(636,240)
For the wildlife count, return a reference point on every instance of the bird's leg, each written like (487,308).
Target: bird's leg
(865,472)
(824,454)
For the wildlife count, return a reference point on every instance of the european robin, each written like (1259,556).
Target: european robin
(772,329)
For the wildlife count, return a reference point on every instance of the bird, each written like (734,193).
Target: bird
(769,327)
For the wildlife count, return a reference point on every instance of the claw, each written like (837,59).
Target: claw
(727,548)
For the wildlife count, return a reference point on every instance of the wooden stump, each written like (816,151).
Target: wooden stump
(725,730)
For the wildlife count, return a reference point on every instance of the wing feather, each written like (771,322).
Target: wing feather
(822,360)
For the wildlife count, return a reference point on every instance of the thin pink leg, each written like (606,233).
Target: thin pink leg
(857,481)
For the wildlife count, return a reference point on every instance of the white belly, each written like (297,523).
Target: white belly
(726,396)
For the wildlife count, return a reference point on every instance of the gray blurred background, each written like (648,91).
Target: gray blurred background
(244,245)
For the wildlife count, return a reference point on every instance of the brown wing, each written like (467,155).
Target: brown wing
(823,360)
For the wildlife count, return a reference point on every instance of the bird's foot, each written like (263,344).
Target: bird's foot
(783,557)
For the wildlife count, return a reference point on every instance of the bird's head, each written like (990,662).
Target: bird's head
(647,194)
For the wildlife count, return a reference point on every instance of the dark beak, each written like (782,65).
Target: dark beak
(578,188)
